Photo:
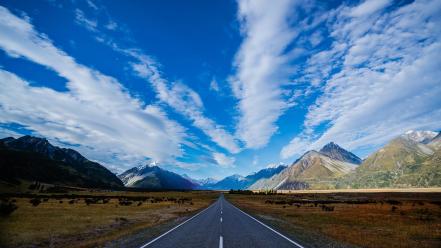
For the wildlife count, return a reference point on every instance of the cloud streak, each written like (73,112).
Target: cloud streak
(387,80)
(176,95)
(185,101)
(262,68)
(97,111)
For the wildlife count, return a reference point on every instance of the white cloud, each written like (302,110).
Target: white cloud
(183,100)
(214,86)
(111,25)
(389,80)
(177,95)
(255,160)
(82,20)
(262,68)
(91,4)
(369,7)
(223,160)
(4,132)
(96,112)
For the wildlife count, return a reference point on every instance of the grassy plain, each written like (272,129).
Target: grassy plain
(89,218)
(351,219)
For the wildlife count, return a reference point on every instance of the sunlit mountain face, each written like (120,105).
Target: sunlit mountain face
(201,92)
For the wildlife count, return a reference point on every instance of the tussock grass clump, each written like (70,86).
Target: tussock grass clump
(327,208)
(35,202)
(125,202)
(394,202)
(7,207)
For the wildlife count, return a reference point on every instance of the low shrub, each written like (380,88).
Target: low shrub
(327,208)
(6,208)
(35,201)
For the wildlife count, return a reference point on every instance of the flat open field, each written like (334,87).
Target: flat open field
(380,190)
(92,218)
(351,219)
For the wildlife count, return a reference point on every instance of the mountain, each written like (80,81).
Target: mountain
(35,159)
(411,160)
(435,143)
(207,181)
(312,170)
(200,182)
(231,182)
(334,151)
(153,177)
(266,173)
(240,182)
(423,137)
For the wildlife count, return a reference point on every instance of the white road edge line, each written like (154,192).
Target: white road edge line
(263,224)
(221,242)
(169,231)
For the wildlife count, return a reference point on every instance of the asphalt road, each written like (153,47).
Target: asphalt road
(222,225)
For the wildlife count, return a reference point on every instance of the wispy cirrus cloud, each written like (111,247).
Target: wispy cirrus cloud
(262,67)
(185,101)
(177,95)
(82,20)
(380,76)
(223,160)
(96,112)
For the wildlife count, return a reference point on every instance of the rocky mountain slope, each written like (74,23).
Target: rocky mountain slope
(35,159)
(152,176)
(334,151)
(411,160)
(241,182)
(312,170)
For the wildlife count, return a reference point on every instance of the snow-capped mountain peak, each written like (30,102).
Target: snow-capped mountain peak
(147,165)
(419,136)
(275,165)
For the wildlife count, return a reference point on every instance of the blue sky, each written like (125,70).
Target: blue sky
(213,88)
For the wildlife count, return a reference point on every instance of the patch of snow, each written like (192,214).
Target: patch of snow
(281,183)
(274,165)
(420,136)
(132,180)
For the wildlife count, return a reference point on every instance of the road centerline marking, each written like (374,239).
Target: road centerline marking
(221,219)
(221,242)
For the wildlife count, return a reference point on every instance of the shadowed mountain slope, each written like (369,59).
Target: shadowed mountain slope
(35,159)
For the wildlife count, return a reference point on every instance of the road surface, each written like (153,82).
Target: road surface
(222,225)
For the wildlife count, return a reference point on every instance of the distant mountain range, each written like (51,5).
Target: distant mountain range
(410,160)
(240,182)
(35,159)
(152,176)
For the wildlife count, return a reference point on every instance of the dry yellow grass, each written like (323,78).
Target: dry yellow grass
(380,190)
(58,223)
(389,220)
